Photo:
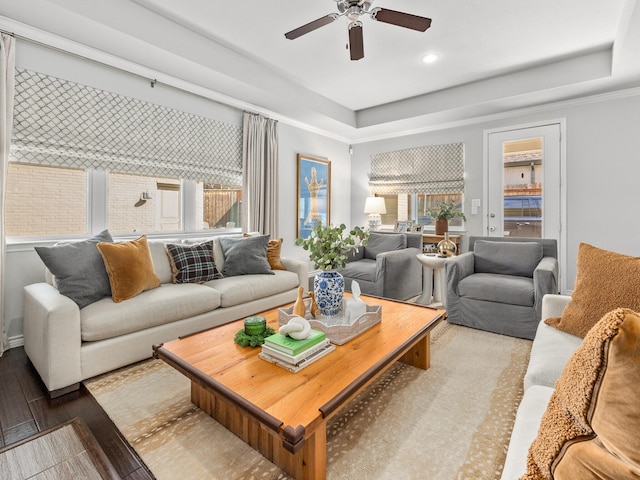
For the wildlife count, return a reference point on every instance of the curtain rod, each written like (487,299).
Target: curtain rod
(152,81)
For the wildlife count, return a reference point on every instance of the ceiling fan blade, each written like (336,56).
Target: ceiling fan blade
(401,19)
(356,43)
(311,26)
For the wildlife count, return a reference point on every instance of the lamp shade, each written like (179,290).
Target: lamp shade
(375,205)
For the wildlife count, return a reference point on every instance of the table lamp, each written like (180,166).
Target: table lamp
(375,206)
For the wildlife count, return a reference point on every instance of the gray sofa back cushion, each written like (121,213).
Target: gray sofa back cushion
(507,258)
(379,243)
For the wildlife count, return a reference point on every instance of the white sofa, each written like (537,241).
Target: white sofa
(550,352)
(67,344)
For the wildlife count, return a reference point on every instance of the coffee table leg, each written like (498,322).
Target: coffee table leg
(315,454)
(419,355)
(308,463)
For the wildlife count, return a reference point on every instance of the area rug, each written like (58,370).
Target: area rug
(451,422)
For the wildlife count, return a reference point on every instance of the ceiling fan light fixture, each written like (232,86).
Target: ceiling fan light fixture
(430,58)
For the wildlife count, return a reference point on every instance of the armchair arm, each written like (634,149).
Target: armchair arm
(458,267)
(299,267)
(545,280)
(52,336)
(400,273)
(455,269)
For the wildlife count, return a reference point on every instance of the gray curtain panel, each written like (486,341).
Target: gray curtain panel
(260,167)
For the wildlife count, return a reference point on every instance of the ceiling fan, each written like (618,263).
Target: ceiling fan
(353,9)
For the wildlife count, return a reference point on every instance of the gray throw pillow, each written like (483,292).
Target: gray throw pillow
(381,242)
(245,256)
(507,258)
(79,269)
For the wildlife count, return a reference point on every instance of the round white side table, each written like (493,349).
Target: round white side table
(432,274)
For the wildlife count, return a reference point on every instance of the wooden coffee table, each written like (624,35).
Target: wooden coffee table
(284,415)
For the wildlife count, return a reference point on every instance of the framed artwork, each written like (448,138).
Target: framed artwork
(314,194)
(417,228)
(403,226)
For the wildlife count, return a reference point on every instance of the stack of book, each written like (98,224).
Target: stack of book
(294,355)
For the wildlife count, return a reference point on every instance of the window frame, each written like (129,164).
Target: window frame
(413,206)
(97,211)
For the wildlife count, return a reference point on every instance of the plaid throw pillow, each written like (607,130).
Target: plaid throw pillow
(192,263)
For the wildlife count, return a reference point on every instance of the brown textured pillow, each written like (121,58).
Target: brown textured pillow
(591,428)
(129,267)
(273,254)
(604,281)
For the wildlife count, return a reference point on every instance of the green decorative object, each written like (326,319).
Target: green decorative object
(245,340)
(329,247)
(255,325)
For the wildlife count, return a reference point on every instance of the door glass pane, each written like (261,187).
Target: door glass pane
(523,164)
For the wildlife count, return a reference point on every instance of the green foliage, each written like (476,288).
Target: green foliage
(446,210)
(245,340)
(329,247)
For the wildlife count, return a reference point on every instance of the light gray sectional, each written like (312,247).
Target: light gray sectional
(550,353)
(67,344)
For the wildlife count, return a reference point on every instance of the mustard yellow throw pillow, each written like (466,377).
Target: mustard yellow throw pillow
(591,428)
(129,267)
(604,280)
(273,254)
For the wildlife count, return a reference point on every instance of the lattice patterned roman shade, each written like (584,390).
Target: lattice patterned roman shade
(436,169)
(61,123)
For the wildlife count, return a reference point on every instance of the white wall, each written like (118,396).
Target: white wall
(293,141)
(602,165)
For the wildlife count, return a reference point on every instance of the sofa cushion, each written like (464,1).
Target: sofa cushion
(604,280)
(241,289)
(380,242)
(507,258)
(532,407)
(550,352)
(160,259)
(168,303)
(590,428)
(129,267)
(491,287)
(245,255)
(192,263)
(78,268)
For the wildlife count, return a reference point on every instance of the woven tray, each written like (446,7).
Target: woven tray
(337,327)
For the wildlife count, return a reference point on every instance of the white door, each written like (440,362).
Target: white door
(168,210)
(523,182)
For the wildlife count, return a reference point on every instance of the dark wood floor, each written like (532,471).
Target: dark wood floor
(25,409)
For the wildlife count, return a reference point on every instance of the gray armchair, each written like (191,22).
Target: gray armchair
(499,284)
(387,266)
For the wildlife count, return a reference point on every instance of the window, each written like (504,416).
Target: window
(139,204)
(93,159)
(417,179)
(44,201)
(221,206)
(415,207)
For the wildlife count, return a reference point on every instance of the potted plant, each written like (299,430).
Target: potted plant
(329,249)
(443,213)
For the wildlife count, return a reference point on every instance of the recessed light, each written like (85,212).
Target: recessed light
(430,58)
